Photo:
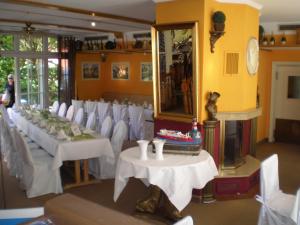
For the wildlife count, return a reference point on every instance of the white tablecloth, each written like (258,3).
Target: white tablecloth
(176,175)
(64,150)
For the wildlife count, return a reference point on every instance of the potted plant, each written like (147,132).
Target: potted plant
(283,39)
(219,20)
(272,40)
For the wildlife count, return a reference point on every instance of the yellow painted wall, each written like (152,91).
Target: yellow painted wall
(264,83)
(93,89)
(238,92)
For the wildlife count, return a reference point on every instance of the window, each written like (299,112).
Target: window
(6,42)
(31,43)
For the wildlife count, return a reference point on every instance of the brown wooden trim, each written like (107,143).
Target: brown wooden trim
(176,26)
(60,26)
(76,10)
(289,27)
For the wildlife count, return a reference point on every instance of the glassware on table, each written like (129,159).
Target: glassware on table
(159,146)
(143,144)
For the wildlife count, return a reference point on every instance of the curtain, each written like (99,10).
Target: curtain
(66,69)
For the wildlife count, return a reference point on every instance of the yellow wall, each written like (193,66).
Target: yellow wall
(93,89)
(264,83)
(238,92)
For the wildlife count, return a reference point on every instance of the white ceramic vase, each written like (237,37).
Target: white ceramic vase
(159,145)
(143,144)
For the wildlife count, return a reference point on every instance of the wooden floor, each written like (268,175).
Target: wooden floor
(233,212)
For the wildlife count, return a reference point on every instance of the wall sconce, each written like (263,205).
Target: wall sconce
(218,19)
(103,57)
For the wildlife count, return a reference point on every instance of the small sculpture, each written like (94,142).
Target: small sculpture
(211,105)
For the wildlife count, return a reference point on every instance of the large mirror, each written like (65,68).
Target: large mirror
(175,73)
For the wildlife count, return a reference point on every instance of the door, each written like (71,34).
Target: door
(287,104)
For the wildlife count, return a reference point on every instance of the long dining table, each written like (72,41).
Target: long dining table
(66,150)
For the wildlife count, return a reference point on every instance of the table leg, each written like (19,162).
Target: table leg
(170,211)
(85,170)
(151,202)
(77,172)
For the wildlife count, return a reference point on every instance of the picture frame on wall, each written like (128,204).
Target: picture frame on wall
(146,71)
(90,70)
(120,70)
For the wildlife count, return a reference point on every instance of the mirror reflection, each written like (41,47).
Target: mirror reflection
(175,73)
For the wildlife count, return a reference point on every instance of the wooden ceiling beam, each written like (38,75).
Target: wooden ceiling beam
(289,27)
(117,33)
(79,11)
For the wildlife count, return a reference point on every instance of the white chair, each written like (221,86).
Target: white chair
(296,209)
(106,127)
(103,110)
(54,108)
(70,113)
(79,116)
(187,220)
(91,121)
(120,112)
(90,107)
(38,176)
(105,167)
(276,206)
(136,122)
(62,110)
(77,105)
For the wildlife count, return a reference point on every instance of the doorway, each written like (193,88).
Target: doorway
(285,103)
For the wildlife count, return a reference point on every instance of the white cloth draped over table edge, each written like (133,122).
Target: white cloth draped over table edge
(176,177)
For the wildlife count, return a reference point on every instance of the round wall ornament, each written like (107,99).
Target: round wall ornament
(252,56)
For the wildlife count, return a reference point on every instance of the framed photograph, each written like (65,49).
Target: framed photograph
(146,71)
(120,71)
(90,70)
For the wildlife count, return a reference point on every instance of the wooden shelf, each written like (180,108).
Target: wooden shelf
(280,47)
(118,51)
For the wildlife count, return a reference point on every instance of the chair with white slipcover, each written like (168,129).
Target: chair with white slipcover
(38,176)
(276,206)
(89,107)
(105,167)
(106,127)
(187,220)
(62,110)
(120,112)
(54,108)
(79,117)
(91,121)
(136,122)
(296,209)
(77,105)
(70,113)
(103,110)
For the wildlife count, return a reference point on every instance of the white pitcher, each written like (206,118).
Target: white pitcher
(143,149)
(159,145)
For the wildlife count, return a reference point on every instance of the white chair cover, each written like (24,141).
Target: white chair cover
(70,113)
(9,112)
(106,127)
(38,176)
(54,108)
(120,112)
(104,110)
(91,122)
(62,110)
(136,122)
(90,107)
(187,220)
(149,124)
(77,105)
(105,167)
(276,206)
(296,209)
(79,116)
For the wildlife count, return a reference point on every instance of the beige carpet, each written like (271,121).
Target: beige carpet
(234,212)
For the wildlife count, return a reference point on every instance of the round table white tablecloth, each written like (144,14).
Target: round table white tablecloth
(176,175)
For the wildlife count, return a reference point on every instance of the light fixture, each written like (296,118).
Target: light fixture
(93,24)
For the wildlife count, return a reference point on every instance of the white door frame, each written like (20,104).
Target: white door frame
(275,67)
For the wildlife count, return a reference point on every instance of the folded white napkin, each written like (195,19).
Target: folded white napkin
(61,135)
(88,131)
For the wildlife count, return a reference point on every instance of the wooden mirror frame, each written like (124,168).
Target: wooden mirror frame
(156,72)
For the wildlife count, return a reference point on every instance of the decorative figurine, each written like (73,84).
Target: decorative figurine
(211,105)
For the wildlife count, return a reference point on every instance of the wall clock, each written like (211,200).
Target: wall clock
(252,56)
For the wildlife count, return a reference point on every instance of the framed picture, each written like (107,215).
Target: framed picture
(120,71)
(90,70)
(146,71)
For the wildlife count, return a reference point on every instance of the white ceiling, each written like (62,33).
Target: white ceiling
(273,12)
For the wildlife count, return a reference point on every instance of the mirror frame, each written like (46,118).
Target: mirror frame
(158,114)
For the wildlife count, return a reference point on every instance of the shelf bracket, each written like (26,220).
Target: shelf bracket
(214,36)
